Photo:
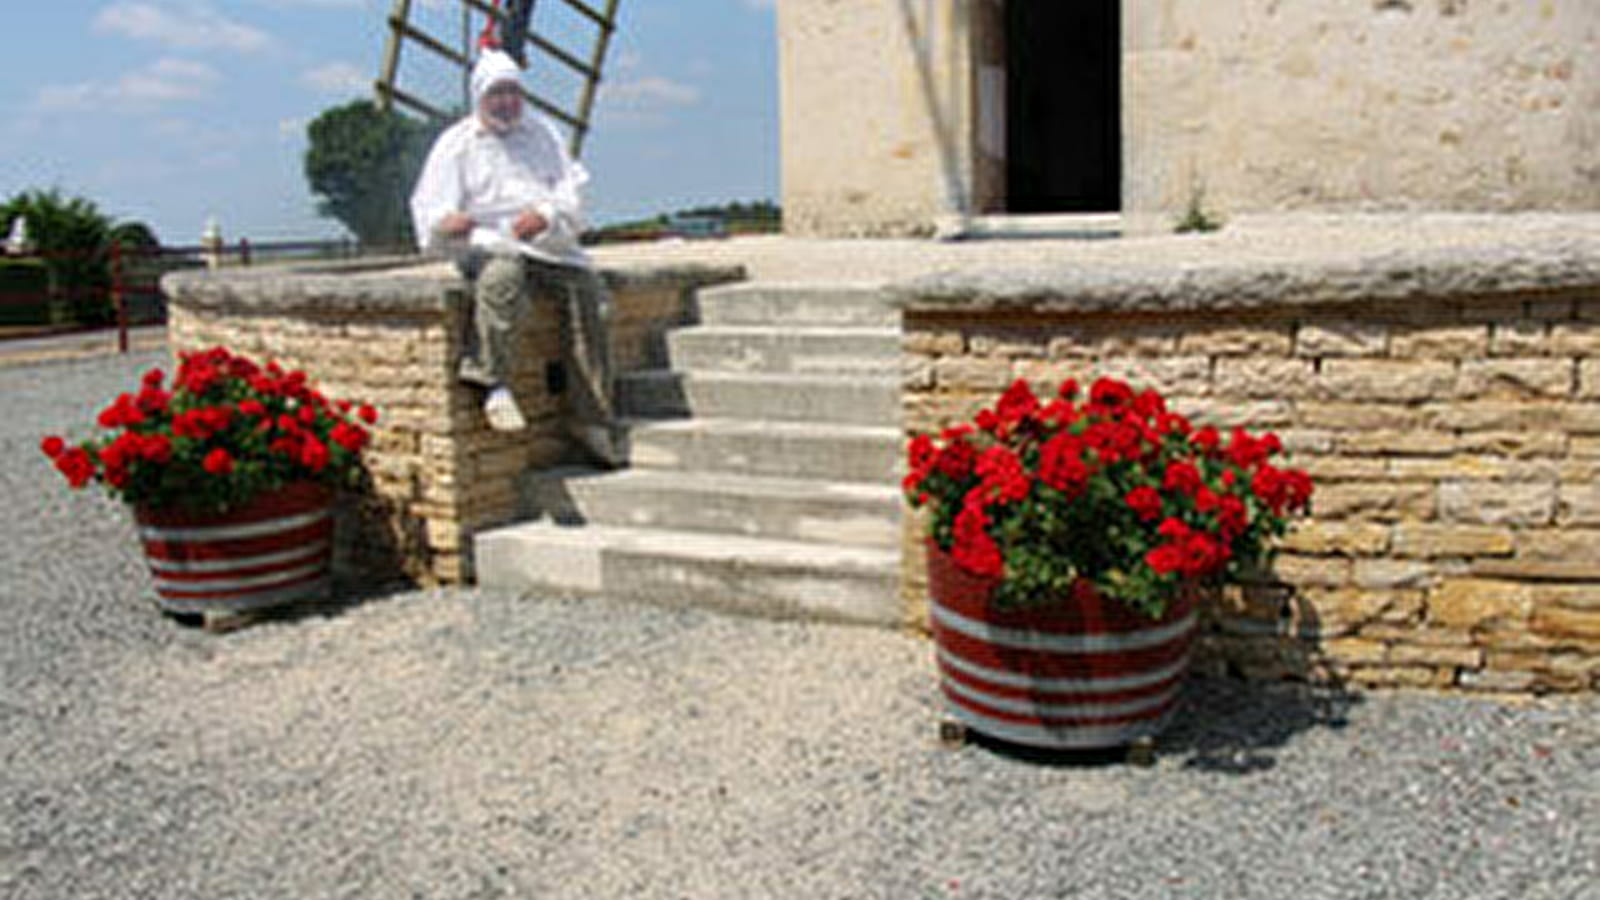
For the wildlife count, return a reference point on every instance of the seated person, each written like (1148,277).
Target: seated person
(499,193)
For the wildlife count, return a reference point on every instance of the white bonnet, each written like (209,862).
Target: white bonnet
(493,67)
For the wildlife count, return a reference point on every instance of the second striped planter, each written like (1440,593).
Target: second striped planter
(277,549)
(1086,672)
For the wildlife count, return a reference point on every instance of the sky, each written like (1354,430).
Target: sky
(173,111)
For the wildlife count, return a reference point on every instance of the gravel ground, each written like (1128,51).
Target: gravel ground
(461,743)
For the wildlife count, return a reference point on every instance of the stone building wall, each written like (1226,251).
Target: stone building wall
(389,334)
(892,111)
(1453,432)
(876,115)
(1361,106)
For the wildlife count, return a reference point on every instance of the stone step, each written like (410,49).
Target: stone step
(801,350)
(850,513)
(780,303)
(752,576)
(831,452)
(748,395)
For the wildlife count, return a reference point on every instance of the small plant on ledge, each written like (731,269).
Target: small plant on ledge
(1196,219)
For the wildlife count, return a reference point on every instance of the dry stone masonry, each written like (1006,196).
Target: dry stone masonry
(387,332)
(1446,398)
(1438,375)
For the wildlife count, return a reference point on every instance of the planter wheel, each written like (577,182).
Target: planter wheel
(1142,752)
(217,622)
(952,734)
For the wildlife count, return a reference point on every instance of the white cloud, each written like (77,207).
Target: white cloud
(336,78)
(192,26)
(164,81)
(648,92)
(67,96)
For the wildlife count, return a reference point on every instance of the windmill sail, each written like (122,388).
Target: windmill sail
(562,43)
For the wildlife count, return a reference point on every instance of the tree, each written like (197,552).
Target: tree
(134,235)
(361,164)
(73,238)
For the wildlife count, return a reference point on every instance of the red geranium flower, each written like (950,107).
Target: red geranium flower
(218,462)
(1017,403)
(1110,392)
(76,464)
(314,454)
(1061,463)
(1145,501)
(1181,476)
(957,459)
(1165,559)
(974,550)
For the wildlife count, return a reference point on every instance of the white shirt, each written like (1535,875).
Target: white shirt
(494,178)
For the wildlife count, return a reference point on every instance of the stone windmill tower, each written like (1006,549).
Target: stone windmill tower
(898,112)
(563,44)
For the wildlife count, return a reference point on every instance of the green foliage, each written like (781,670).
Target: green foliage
(24,292)
(756,217)
(1196,218)
(73,237)
(361,164)
(760,215)
(134,235)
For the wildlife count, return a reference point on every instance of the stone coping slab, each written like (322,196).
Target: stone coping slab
(399,285)
(1277,261)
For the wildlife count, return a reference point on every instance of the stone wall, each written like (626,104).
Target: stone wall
(876,115)
(1370,105)
(388,333)
(1446,403)
(893,115)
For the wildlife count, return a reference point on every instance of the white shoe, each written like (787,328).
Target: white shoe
(500,408)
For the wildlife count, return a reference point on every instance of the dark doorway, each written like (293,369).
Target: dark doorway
(1063,106)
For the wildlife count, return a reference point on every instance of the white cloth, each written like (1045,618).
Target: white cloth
(493,67)
(494,177)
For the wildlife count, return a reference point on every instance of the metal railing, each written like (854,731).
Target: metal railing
(118,286)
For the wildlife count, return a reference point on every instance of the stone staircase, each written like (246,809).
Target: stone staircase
(765,469)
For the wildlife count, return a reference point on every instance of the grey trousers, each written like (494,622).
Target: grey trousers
(503,288)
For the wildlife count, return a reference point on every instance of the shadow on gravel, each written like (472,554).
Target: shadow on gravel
(1039,756)
(1232,726)
(346,597)
(1224,725)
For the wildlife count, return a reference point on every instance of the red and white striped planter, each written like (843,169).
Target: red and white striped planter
(274,550)
(1083,673)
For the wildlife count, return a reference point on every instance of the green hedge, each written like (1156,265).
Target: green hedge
(24,292)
